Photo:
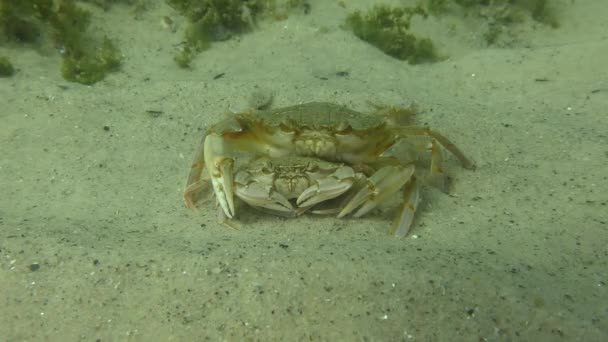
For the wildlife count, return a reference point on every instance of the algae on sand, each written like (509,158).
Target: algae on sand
(84,60)
(6,67)
(217,20)
(499,15)
(388,29)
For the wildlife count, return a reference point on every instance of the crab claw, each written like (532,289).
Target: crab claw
(221,172)
(327,188)
(263,197)
(380,185)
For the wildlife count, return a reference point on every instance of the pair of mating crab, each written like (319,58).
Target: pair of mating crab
(317,157)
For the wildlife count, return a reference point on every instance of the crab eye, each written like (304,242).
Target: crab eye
(310,167)
(268,168)
(342,126)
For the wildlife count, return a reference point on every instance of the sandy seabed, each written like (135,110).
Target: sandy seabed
(91,182)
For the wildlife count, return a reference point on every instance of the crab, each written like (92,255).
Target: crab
(326,132)
(291,186)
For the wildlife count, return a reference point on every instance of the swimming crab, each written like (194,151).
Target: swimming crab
(291,186)
(326,132)
(275,185)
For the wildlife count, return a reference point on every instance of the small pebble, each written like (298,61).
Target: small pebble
(260,99)
(168,24)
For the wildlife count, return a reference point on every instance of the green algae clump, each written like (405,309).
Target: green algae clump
(91,67)
(84,60)
(209,21)
(218,20)
(388,29)
(6,67)
(499,15)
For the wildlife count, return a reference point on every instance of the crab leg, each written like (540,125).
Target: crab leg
(445,142)
(405,216)
(438,177)
(195,184)
(262,196)
(327,188)
(385,182)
